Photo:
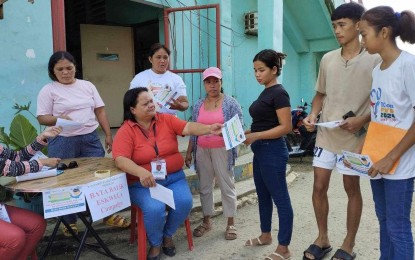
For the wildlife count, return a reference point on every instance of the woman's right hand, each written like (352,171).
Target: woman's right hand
(188,160)
(50,162)
(147,179)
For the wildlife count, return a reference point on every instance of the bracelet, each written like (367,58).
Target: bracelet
(311,114)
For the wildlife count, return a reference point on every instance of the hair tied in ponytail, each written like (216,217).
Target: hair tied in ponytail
(398,15)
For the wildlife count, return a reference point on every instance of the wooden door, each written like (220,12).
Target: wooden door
(108,62)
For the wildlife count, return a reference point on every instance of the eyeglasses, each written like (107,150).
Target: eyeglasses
(71,165)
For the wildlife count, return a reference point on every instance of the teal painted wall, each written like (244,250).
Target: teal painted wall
(244,86)
(291,72)
(26,45)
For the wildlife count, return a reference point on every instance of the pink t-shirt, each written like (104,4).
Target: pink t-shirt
(210,117)
(77,100)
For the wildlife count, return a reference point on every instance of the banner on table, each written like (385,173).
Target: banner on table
(107,196)
(63,201)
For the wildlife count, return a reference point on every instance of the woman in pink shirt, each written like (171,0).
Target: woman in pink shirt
(212,160)
(67,97)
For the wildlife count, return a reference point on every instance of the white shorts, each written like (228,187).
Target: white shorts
(328,160)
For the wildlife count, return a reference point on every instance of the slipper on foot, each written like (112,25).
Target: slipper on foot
(257,242)
(157,257)
(343,255)
(169,251)
(202,229)
(231,233)
(317,252)
(277,255)
(66,231)
(117,221)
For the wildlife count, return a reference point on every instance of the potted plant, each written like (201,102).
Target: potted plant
(21,134)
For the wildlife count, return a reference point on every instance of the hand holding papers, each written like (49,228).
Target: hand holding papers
(163,194)
(165,96)
(68,125)
(233,133)
(358,162)
(331,124)
(45,172)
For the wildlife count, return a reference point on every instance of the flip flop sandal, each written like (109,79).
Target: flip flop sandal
(118,221)
(343,255)
(230,233)
(317,252)
(66,231)
(277,255)
(258,242)
(201,229)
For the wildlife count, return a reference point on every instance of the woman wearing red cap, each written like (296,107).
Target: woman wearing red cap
(212,161)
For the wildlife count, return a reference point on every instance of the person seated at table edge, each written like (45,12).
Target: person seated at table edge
(144,141)
(19,238)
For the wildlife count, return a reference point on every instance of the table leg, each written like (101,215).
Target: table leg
(89,228)
(52,237)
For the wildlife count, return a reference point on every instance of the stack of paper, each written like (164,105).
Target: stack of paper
(37,175)
(358,162)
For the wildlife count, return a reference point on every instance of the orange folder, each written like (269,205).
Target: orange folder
(380,140)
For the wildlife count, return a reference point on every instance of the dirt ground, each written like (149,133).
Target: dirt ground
(213,245)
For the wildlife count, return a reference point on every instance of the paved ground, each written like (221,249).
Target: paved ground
(214,246)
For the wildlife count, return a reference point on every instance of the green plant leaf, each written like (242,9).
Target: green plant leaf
(22,132)
(4,138)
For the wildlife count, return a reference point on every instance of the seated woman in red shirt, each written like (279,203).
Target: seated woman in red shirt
(19,237)
(146,148)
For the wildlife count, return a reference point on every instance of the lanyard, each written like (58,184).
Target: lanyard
(156,149)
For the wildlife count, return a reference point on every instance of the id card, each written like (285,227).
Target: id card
(159,169)
(3,214)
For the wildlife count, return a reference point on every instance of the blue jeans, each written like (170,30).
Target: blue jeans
(270,165)
(393,201)
(88,145)
(157,224)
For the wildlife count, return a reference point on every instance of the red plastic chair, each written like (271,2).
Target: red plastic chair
(33,256)
(137,215)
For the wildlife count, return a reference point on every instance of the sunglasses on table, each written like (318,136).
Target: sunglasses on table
(63,166)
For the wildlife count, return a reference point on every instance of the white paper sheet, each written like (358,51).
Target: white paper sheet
(165,96)
(37,175)
(38,155)
(331,124)
(233,133)
(68,125)
(163,194)
(3,214)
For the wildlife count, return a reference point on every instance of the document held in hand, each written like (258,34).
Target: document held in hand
(380,140)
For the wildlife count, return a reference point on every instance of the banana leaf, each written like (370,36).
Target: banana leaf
(22,132)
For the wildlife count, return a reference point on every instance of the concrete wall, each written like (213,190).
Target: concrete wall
(26,45)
